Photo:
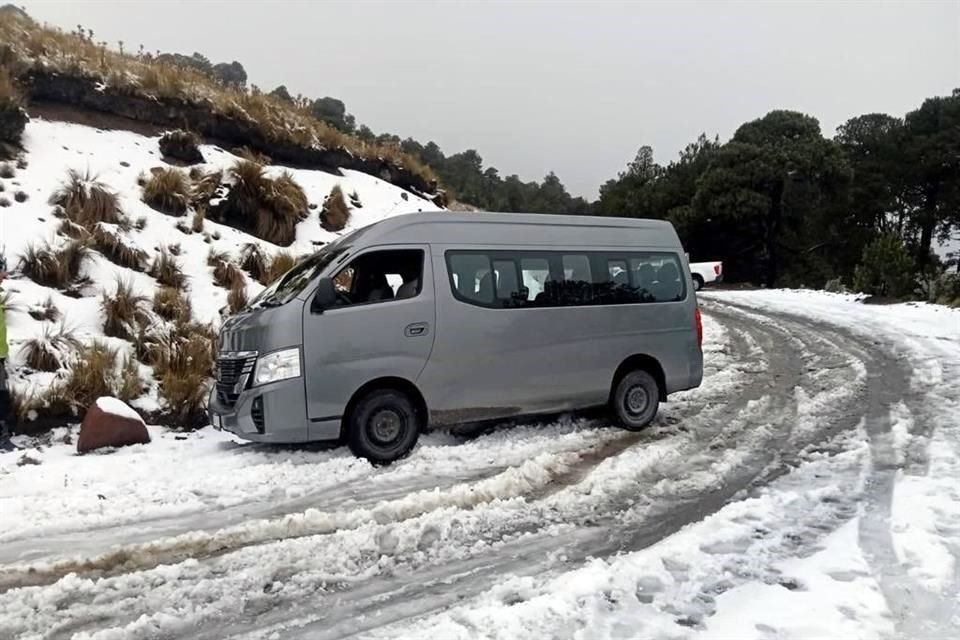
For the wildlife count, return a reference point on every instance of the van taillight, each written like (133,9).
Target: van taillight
(716,269)
(699,327)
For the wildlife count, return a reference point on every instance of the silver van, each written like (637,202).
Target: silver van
(438,319)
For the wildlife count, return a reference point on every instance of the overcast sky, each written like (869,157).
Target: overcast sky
(573,87)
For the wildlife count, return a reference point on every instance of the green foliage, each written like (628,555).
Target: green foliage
(770,204)
(333,112)
(933,166)
(886,269)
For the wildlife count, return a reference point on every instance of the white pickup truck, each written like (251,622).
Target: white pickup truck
(705,273)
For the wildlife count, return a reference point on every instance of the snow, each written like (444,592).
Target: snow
(116,407)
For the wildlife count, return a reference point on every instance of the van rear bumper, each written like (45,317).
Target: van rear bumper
(273,413)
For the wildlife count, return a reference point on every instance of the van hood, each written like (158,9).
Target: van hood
(263,329)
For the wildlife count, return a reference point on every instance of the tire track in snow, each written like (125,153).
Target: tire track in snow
(586,510)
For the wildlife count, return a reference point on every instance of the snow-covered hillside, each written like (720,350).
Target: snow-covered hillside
(118,159)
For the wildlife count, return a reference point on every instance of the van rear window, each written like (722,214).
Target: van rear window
(517,279)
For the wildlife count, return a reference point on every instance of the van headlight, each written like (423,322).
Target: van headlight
(279,365)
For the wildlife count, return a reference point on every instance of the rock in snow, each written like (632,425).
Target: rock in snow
(111,423)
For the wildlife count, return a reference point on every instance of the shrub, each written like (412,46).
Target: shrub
(141,223)
(92,375)
(4,202)
(886,269)
(334,215)
(167,270)
(254,262)
(270,209)
(282,262)
(237,298)
(20,196)
(123,312)
(86,201)
(184,228)
(115,250)
(167,190)
(131,384)
(181,145)
(6,171)
(59,268)
(47,352)
(45,312)
(171,304)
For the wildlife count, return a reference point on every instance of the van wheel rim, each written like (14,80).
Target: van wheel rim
(386,426)
(637,400)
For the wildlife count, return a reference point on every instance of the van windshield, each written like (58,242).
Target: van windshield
(286,287)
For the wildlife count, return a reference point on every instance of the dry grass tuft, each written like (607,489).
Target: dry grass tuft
(167,270)
(58,268)
(171,304)
(92,375)
(131,384)
(205,186)
(184,367)
(167,190)
(282,262)
(237,298)
(114,249)
(45,312)
(197,223)
(48,351)
(123,312)
(225,273)
(335,213)
(269,208)
(254,262)
(86,201)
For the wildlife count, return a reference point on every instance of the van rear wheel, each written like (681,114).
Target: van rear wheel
(383,427)
(635,400)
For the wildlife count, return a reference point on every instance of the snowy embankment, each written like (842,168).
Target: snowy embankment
(118,159)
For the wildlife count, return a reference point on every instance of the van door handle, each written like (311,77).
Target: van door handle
(416,329)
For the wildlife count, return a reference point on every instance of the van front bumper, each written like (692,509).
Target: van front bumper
(273,413)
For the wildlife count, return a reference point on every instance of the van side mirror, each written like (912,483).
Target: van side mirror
(325,297)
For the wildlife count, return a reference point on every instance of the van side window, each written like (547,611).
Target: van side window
(471,277)
(514,279)
(380,276)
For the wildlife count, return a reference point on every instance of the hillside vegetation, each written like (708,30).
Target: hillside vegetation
(122,261)
(47,64)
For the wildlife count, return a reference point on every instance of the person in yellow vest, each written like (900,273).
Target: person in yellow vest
(5,443)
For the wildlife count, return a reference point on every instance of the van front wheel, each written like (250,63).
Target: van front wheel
(383,426)
(636,400)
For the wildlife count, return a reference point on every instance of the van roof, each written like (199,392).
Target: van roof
(509,229)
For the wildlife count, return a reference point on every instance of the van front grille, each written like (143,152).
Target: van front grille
(233,374)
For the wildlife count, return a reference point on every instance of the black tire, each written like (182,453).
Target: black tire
(383,427)
(635,400)
(697,282)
